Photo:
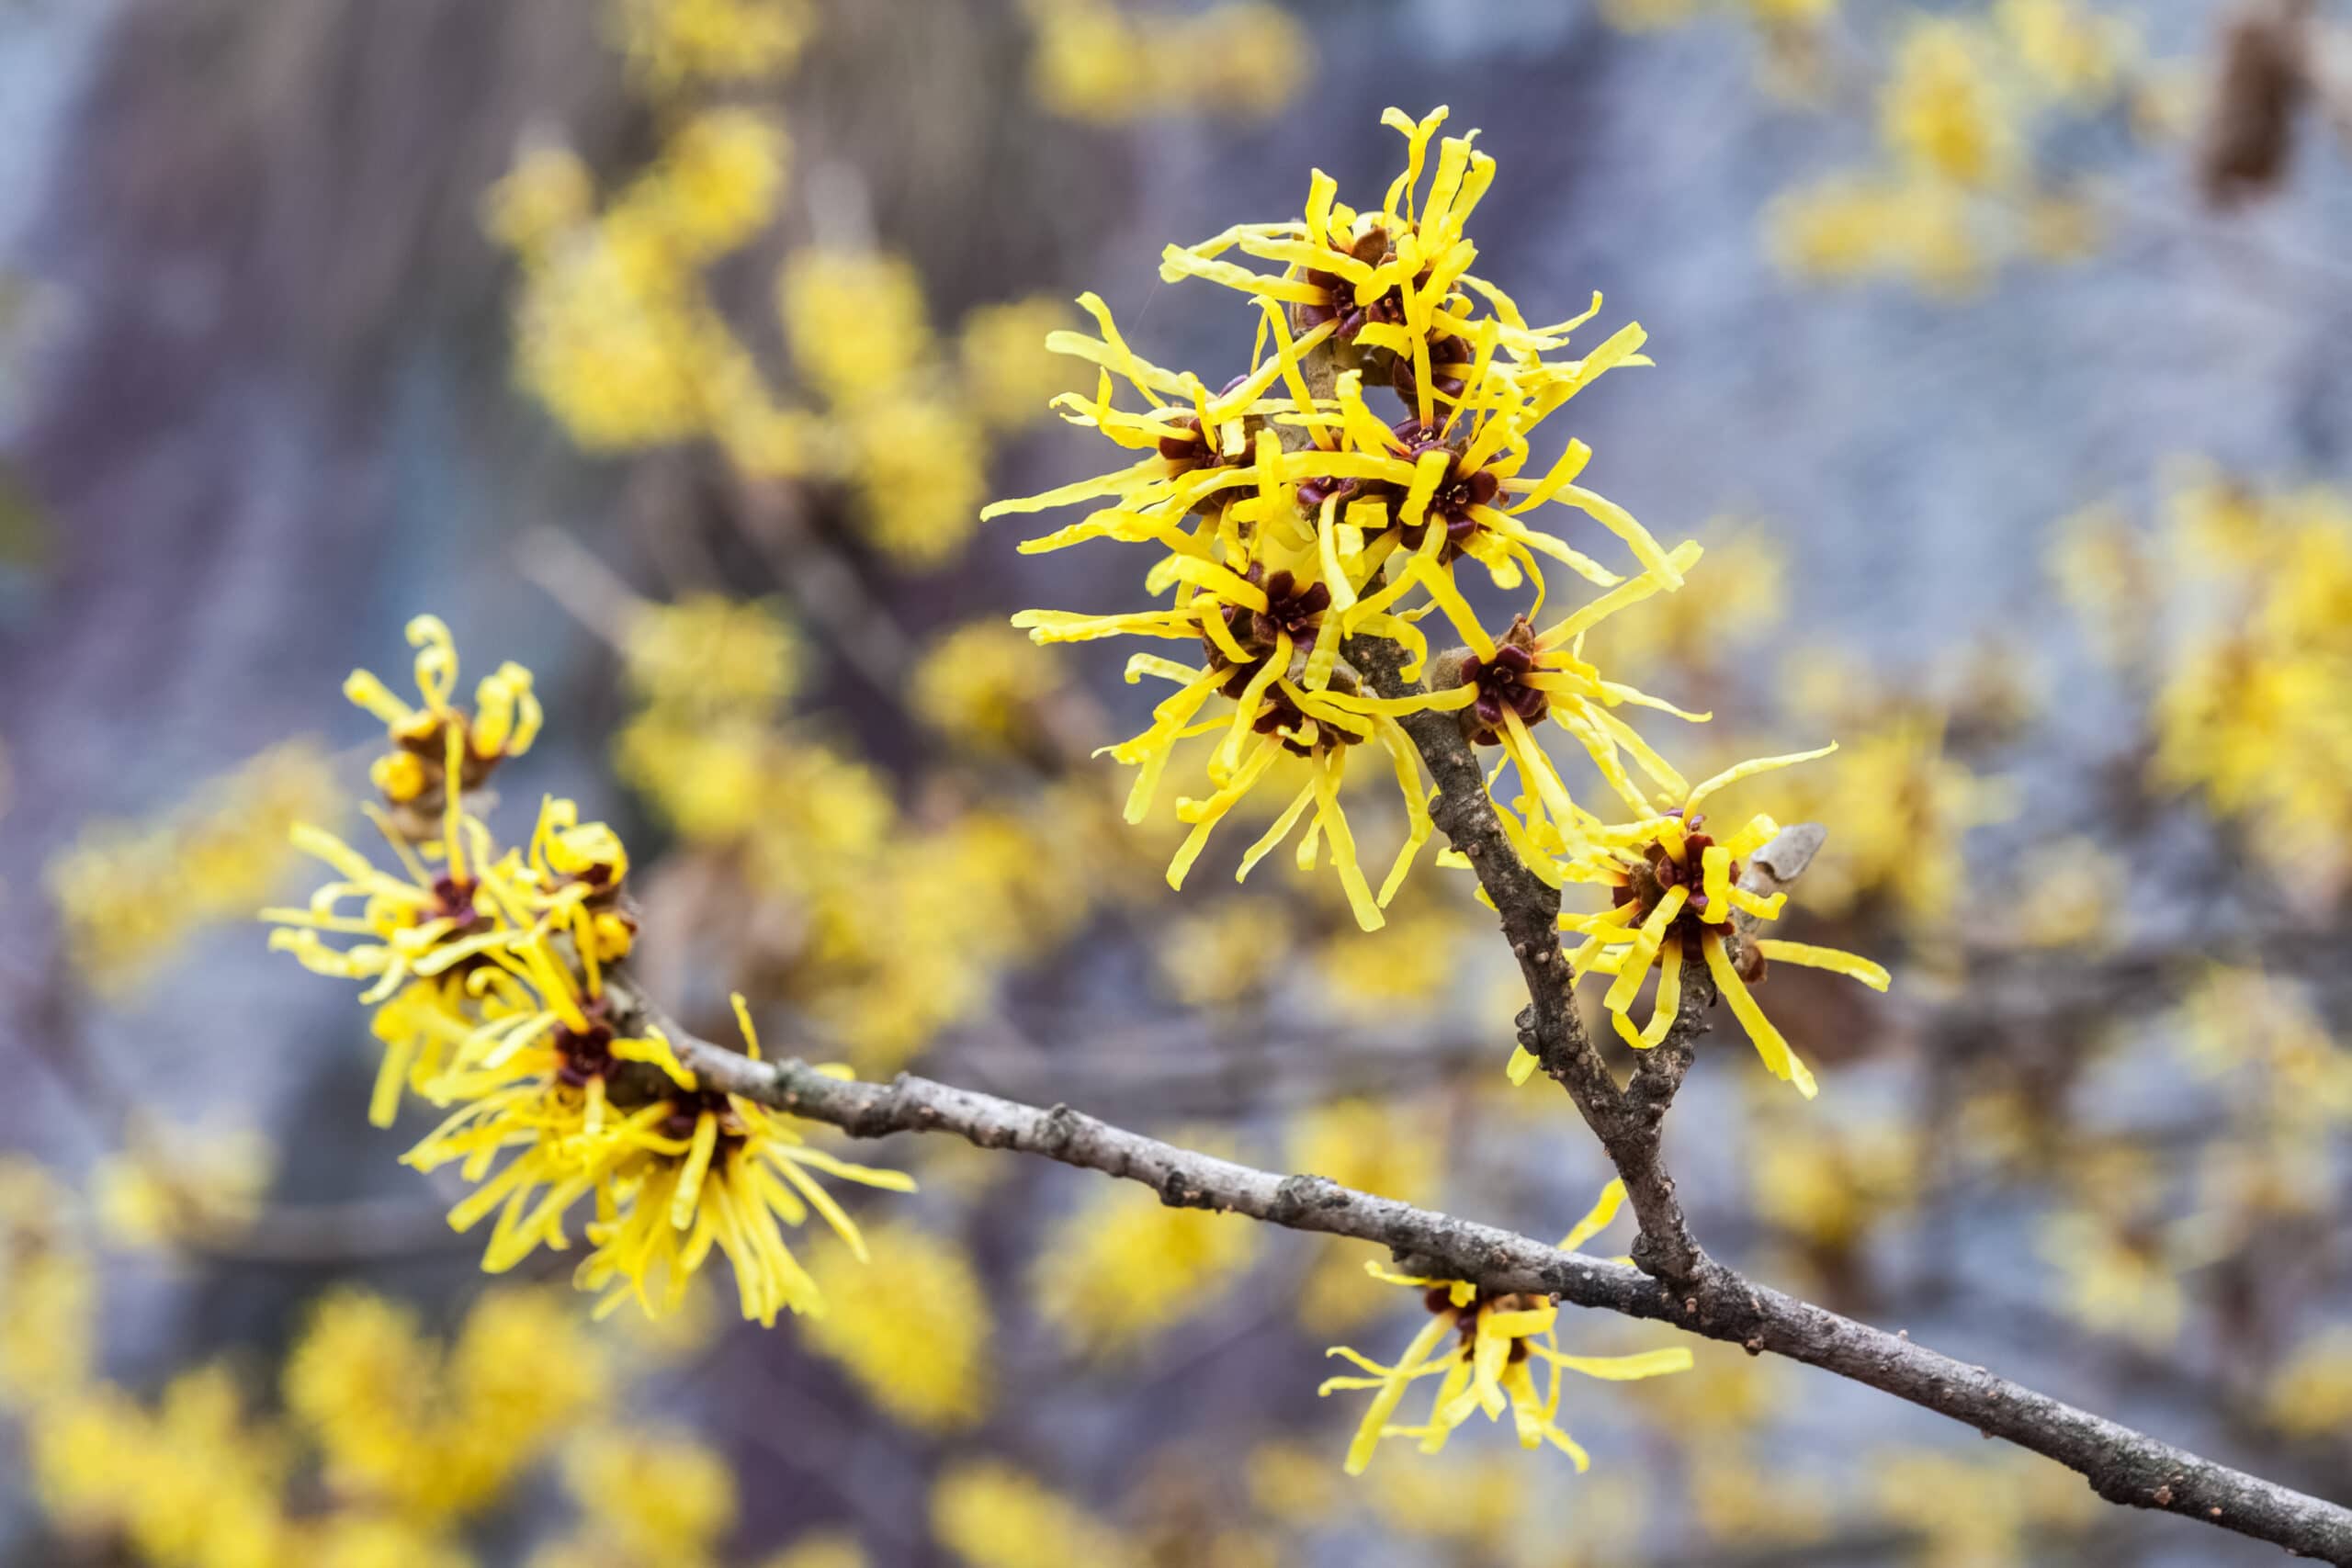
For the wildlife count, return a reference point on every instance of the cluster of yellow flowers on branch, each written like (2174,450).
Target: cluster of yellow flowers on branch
(1960,184)
(881,926)
(2235,613)
(498,994)
(379,1442)
(622,335)
(1490,1367)
(1288,521)
(1102,62)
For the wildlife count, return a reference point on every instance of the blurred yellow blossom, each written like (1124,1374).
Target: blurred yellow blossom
(1977,1512)
(824,1548)
(717,181)
(855,320)
(991,1515)
(1726,1394)
(2117,1279)
(168,1186)
(2251,713)
(1739,1495)
(1962,103)
(1292,1482)
(47,1289)
(2212,515)
(2066,896)
(210,1475)
(1941,109)
(1849,228)
(1124,1268)
(131,895)
(2105,574)
(912,1329)
(917,464)
(1830,1186)
(349,1539)
(1387,1149)
(1395,972)
(2310,1394)
(2068,50)
(660,1495)
(437,1431)
(1471,1504)
(546,194)
(2261,1032)
(1096,60)
(885,929)
(980,685)
(1647,16)
(709,651)
(615,330)
(671,43)
(1008,372)
(1226,953)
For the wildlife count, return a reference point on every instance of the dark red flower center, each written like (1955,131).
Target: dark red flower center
(1500,687)
(1458,492)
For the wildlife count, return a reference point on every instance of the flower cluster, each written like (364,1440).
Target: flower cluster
(493,977)
(619,333)
(131,895)
(432,1431)
(992,1516)
(673,44)
(1100,63)
(883,925)
(1955,189)
(1123,1269)
(1304,541)
(914,1326)
(1484,1348)
(2240,609)
(387,1442)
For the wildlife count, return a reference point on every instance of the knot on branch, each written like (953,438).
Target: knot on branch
(1299,1195)
(1061,1129)
(1176,1190)
(882,1114)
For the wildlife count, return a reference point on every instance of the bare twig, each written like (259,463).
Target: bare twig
(1628,1121)
(2122,1465)
(320,1235)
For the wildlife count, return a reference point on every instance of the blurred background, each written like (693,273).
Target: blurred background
(671,348)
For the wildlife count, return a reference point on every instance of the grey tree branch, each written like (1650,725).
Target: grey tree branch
(2120,1464)
(1628,1121)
